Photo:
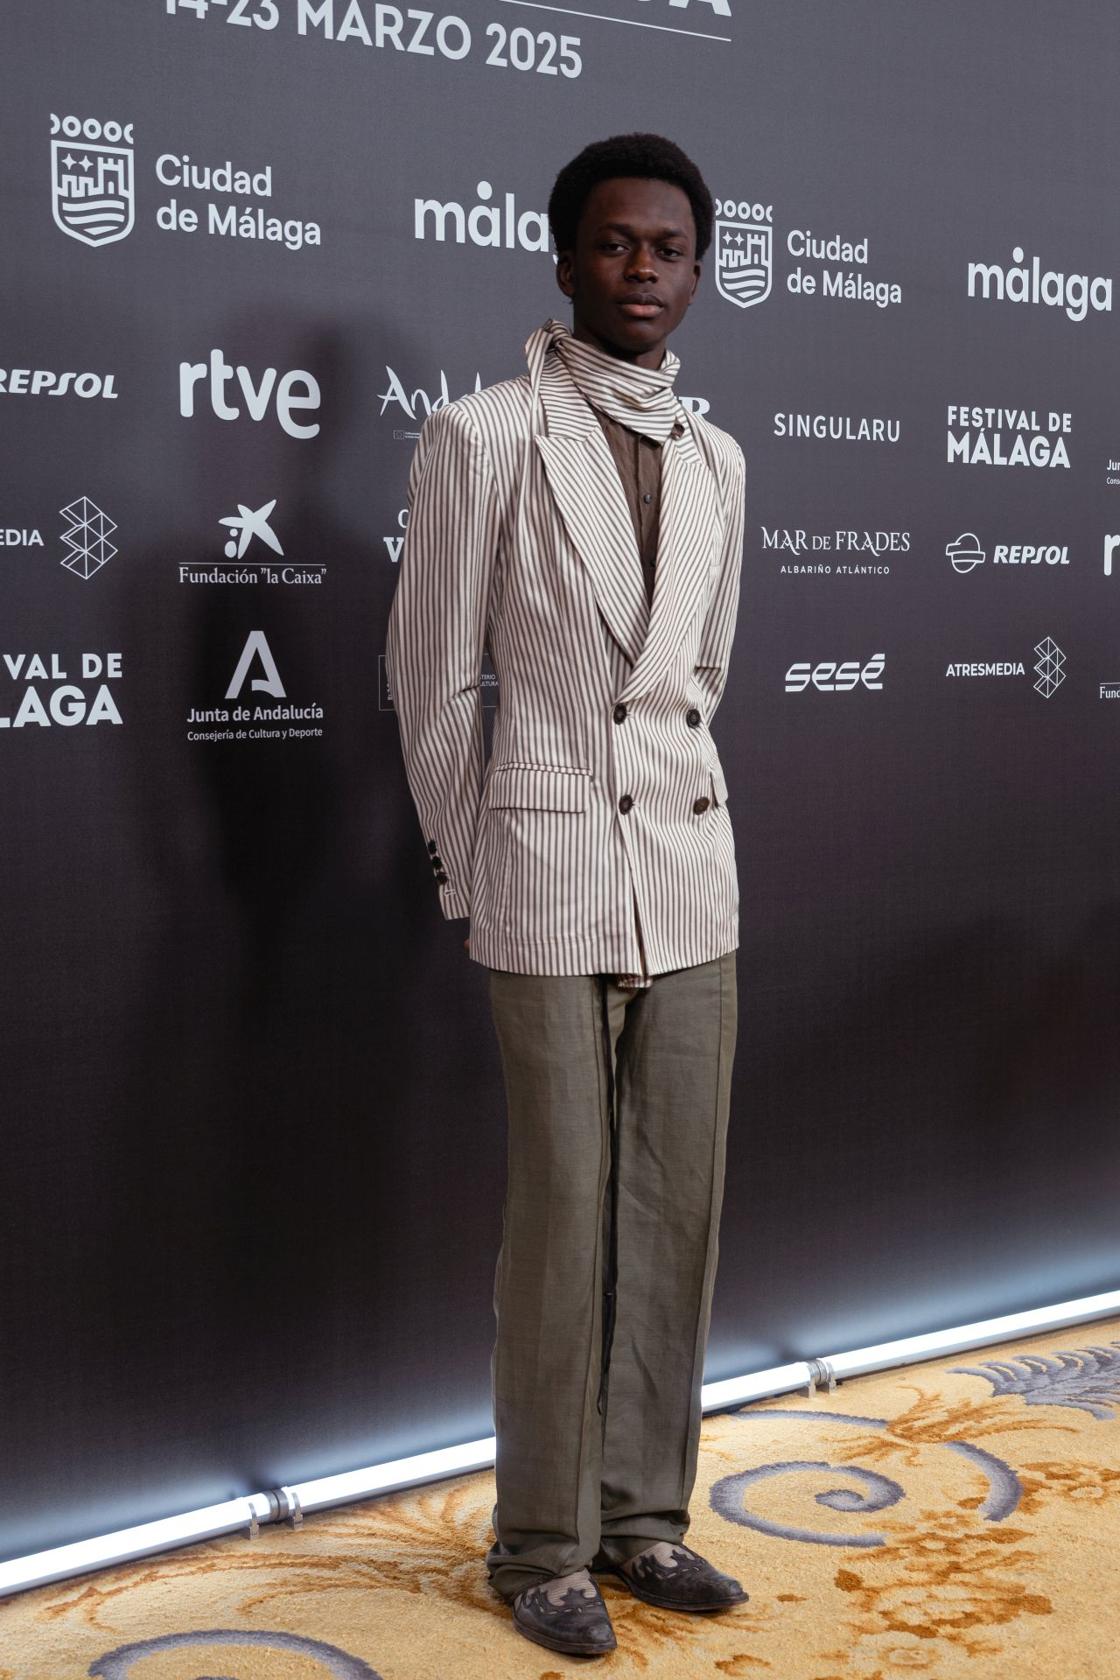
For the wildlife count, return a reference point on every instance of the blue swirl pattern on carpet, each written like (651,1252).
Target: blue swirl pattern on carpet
(116,1665)
(726,1498)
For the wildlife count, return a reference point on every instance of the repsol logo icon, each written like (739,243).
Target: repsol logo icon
(832,678)
(966,554)
(38,382)
(1030,554)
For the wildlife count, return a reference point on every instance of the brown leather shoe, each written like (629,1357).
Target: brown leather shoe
(690,1583)
(578,1624)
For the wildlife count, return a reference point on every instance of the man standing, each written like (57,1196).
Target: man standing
(582,527)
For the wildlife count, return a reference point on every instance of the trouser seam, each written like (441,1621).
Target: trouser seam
(610,1278)
(586,1434)
(697,1353)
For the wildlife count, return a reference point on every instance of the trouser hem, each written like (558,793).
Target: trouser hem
(510,1580)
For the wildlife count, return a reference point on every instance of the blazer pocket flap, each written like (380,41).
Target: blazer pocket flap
(539,787)
(719,784)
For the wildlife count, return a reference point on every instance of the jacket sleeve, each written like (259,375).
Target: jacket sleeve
(436,639)
(718,633)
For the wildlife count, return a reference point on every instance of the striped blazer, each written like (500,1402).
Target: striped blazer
(597,834)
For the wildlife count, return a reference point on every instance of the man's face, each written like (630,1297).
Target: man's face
(632,272)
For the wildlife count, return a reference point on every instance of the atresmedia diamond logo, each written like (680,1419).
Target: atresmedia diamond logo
(87,536)
(1051,668)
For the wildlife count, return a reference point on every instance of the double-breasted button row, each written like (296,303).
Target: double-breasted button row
(691,717)
(698,805)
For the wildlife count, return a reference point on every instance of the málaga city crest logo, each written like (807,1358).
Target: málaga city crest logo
(92,179)
(744,253)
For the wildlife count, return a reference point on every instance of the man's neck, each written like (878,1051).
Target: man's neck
(651,358)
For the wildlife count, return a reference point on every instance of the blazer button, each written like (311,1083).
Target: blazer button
(620,711)
(432,847)
(441,877)
(625,802)
(437,863)
(692,717)
(699,805)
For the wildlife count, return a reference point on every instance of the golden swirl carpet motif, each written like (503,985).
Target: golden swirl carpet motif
(959,1518)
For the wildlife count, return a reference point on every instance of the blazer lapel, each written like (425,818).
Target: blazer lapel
(689,526)
(584,483)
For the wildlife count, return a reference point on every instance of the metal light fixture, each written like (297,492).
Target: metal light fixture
(251,1510)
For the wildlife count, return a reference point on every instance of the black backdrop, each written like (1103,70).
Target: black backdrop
(253,1145)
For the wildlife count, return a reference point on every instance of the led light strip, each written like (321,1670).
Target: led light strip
(248,1512)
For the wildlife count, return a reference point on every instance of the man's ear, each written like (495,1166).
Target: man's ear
(564,276)
(696,272)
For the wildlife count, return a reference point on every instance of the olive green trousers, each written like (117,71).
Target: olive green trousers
(618,1105)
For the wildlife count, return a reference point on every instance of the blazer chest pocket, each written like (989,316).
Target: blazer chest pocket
(538,787)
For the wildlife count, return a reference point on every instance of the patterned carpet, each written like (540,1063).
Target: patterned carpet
(958,1518)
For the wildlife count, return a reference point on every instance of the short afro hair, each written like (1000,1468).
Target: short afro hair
(646,156)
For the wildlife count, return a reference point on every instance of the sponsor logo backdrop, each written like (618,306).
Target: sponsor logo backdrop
(254,1137)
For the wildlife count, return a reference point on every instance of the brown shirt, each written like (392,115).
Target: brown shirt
(638,460)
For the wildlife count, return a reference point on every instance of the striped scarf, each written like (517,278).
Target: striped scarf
(637,397)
